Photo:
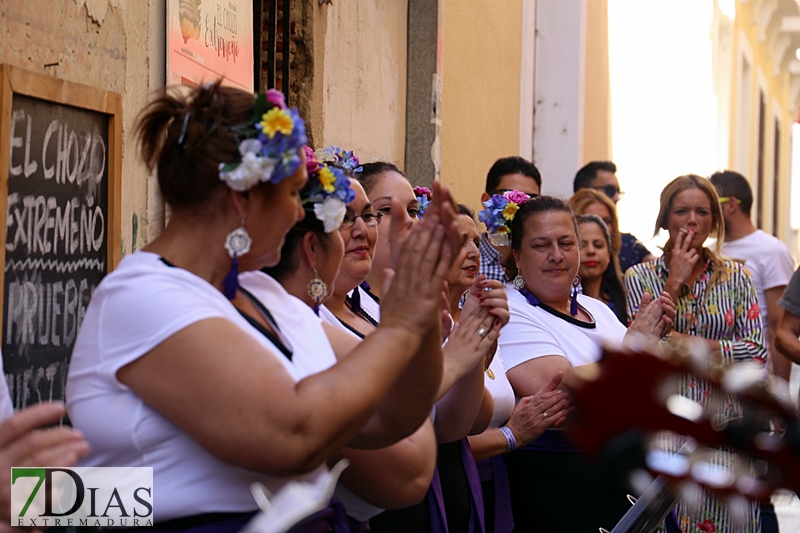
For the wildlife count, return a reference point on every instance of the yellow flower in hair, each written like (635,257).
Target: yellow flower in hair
(327,179)
(510,210)
(276,120)
(503,229)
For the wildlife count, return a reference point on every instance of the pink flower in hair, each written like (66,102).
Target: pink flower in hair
(517,197)
(312,163)
(276,98)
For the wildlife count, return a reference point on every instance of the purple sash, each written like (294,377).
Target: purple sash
(436,504)
(476,493)
(231,524)
(494,469)
(551,441)
(333,519)
(436,500)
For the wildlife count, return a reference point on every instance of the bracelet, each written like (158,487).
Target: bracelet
(510,438)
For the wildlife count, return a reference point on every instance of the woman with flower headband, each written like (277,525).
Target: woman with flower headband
(552,331)
(310,259)
(509,426)
(717,308)
(200,382)
(461,391)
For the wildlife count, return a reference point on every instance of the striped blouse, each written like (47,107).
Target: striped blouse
(727,312)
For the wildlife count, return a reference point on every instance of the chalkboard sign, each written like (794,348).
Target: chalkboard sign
(61,188)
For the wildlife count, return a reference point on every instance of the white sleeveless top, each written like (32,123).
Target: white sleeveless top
(135,308)
(313,352)
(500,389)
(369,305)
(532,332)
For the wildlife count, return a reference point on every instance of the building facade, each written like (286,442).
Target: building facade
(757,83)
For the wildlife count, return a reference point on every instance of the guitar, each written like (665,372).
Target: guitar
(627,397)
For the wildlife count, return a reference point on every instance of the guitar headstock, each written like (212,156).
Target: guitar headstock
(624,400)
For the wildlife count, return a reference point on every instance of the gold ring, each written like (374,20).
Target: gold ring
(544,414)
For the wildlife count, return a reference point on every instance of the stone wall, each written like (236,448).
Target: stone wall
(109,44)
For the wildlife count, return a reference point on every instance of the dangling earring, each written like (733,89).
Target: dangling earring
(573,307)
(237,244)
(317,290)
(519,282)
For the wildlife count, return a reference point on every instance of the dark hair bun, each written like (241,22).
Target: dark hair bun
(184,136)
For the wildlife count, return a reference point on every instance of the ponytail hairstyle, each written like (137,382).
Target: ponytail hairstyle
(185,136)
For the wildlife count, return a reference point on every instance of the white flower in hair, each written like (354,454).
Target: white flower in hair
(331,212)
(252,169)
(250,146)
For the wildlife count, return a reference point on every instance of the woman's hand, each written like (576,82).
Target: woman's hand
(533,415)
(442,207)
(682,259)
(414,297)
(466,348)
(490,294)
(22,443)
(669,313)
(447,318)
(648,321)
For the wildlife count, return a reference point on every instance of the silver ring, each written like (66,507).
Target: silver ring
(482,332)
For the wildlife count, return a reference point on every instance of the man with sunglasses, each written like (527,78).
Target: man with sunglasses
(768,259)
(602,176)
(507,174)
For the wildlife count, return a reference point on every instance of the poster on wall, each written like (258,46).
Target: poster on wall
(210,39)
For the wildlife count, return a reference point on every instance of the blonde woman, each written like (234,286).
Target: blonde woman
(716,302)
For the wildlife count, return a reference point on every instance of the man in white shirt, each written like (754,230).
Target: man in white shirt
(768,259)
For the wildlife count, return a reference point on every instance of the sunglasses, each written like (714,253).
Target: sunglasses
(723,199)
(610,190)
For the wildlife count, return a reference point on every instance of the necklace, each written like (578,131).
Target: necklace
(489,373)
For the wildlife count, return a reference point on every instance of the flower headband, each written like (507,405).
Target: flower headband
(269,144)
(328,191)
(499,212)
(343,158)
(424,196)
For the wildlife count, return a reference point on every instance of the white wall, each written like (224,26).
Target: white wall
(559,93)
